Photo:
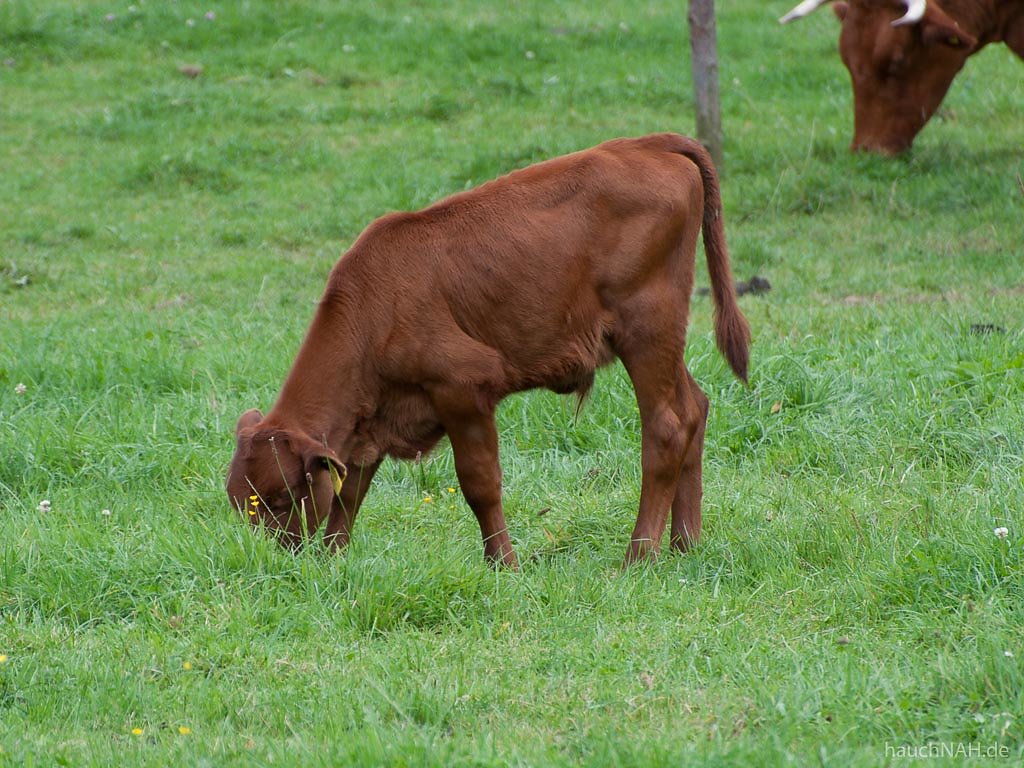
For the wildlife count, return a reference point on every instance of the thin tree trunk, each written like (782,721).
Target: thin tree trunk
(704,50)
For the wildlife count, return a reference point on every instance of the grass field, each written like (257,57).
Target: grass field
(163,241)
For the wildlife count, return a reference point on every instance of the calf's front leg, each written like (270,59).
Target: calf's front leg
(474,438)
(346,505)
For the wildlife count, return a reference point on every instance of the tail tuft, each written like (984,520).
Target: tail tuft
(732,336)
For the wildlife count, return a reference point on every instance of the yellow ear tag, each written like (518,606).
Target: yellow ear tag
(337,479)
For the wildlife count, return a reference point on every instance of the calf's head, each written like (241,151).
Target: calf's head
(902,56)
(282,479)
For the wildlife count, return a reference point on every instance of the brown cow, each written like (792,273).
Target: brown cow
(532,280)
(902,56)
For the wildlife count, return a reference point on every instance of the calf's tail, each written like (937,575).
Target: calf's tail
(732,333)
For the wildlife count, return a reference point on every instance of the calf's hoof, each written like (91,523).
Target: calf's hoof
(641,550)
(504,559)
(683,543)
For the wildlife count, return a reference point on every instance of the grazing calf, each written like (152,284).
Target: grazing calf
(532,280)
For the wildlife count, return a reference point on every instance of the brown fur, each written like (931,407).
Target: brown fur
(535,279)
(900,75)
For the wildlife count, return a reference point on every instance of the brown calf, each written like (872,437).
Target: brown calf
(532,280)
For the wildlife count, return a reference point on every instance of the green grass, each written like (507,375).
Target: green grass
(163,241)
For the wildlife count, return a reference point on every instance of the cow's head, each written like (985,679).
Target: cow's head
(282,479)
(902,56)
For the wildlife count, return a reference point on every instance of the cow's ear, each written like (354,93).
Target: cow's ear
(943,33)
(248,419)
(840,9)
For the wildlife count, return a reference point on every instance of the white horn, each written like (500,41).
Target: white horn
(805,8)
(915,12)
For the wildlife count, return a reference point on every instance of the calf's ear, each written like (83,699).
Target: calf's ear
(325,471)
(248,419)
(326,459)
(840,9)
(325,476)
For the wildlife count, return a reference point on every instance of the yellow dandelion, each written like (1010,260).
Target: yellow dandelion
(252,513)
(184,730)
(187,666)
(3,658)
(136,731)
(427,499)
(451,490)
(254,498)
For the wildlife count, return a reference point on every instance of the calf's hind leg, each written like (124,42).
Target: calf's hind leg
(669,423)
(689,491)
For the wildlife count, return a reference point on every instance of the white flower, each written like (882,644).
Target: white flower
(1008,654)
(44,506)
(348,48)
(1001,532)
(106,513)
(530,55)
(20,389)
(190,22)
